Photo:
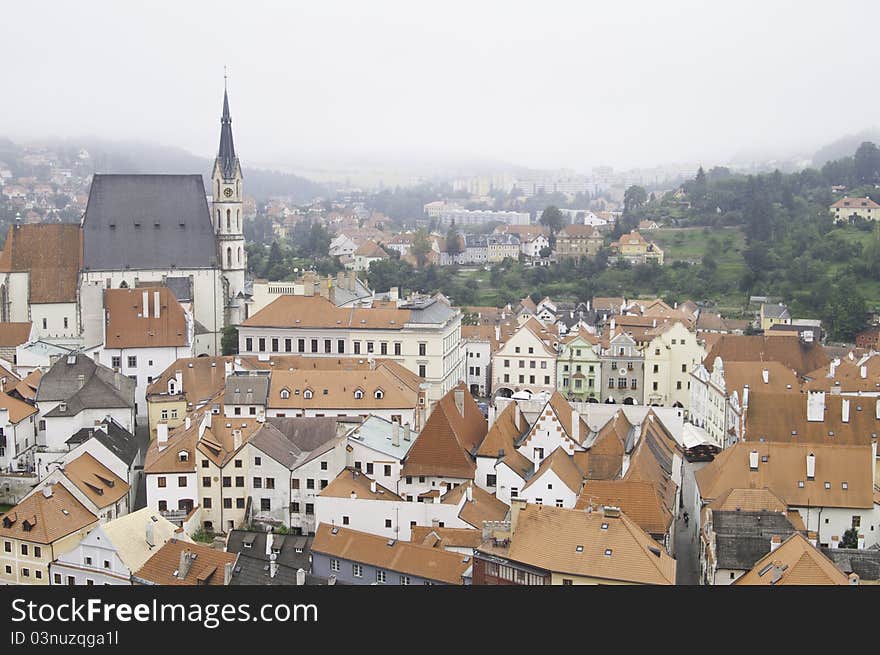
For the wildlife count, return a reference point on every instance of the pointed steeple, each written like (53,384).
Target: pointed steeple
(226,155)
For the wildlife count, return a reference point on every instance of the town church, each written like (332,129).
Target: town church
(137,231)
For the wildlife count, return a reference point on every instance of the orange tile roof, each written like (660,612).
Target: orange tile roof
(52,252)
(402,556)
(98,483)
(14,334)
(580,541)
(483,506)
(445,537)
(653,458)
(18,409)
(855,203)
(788,350)
(795,562)
(350,480)
(785,470)
(318,312)
(445,444)
(127,327)
(639,500)
(49,519)
(208,567)
(562,464)
(335,389)
(847,376)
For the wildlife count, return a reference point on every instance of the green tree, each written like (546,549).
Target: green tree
(553,218)
(850,539)
(421,246)
(634,198)
(229,340)
(867,163)
(454,245)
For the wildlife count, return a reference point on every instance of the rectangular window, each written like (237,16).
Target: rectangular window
(383,347)
(369,468)
(116,362)
(227,481)
(300,345)
(206,481)
(132,361)
(328,346)
(206,503)
(491,479)
(181,481)
(340,346)
(310,483)
(397,347)
(310,508)
(357,570)
(161,481)
(270,483)
(239,481)
(380,576)
(239,503)
(334,564)
(423,349)
(422,371)
(274,344)
(248,343)
(258,483)
(288,345)
(262,344)
(227,503)
(314,345)
(265,504)
(387,470)
(357,347)
(610,383)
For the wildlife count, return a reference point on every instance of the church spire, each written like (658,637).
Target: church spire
(226,155)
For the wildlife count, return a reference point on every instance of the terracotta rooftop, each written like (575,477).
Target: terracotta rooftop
(45,520)
(795,562)
(207,565)
(52,252)
(639,500)
(128,327)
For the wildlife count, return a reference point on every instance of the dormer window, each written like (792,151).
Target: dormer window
(285,394)
(307,394)
(183,456)
(172,386)
(379,394)
(358,394)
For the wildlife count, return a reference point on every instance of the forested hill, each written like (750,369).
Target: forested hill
(792,247)
(137,157)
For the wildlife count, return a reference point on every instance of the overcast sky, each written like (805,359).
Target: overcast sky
(539,83)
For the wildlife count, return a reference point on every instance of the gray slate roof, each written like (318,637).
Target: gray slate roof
(249,388)
(742,538)
(429,311)
(120,223)
(253,563)
(116,439)
(292,441)
(863,562)
(99,388)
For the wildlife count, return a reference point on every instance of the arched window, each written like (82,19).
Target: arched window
(238,219)
(123,285)
(218,219)
(285,394)
(229,256)
(183,455)
(228,219)
(218,189)
(172,387)
(307,394)
(358,394)
(239,255)
(379,394)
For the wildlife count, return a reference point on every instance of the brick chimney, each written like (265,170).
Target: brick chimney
(458,394)
(775,542)
(185,563)
(753,460)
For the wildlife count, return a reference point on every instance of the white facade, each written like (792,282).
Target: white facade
(669,359)
(549,489)
(524,362)
(93,562)
(477,361)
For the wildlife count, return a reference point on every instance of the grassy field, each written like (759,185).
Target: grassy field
(4,508)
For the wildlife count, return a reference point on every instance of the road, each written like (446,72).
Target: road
(687,545)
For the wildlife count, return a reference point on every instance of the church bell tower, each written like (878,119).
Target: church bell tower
(226,214)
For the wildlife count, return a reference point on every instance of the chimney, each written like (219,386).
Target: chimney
(515,413)
(491,417)
(459,400)
(178,379)
(156,305)
(227,573)
(151,539)
(575,425)
(300,577)
(497,333)
(775,542)
(354,495)
(372,486)
(187,422)
(832,367)
(835,541)
(765,375)
(854,578)
(394,294)
(844,410)
(146,312)
(268,543)
(811,537)
(236,439)
(395,433)
(816,406)
(516,505)
(80,381)
(470,493)
(406,429)
(811,466)
(753,460)
(227,368)
(273,566)
(161,435)
(185,563)
(863,371)
(47,491)
(611,331)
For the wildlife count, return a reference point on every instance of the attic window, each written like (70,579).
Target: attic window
(764,458)
(358,394)
(800,484)
(608,552)
(112,226)
(579,549)
(183,456)
(379,394)
(827,485)
(604,526)
(844,485)
(285,394)
(307,394)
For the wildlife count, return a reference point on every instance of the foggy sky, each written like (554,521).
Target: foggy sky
(540,83)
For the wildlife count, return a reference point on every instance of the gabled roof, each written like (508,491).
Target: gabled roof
(483,506)
(127,534)
(652,461)
(795,562)
(786,469)
(639,500)
(788,350)
(562,464)
(126,326)
(207,567)
(400,556)
(371,249)
(202,377)
(120,223)
(501,439)
(743,537)
(97,483)
(18,409)
(589,544)
(445,537)
(352,481)
(100,387)
(246,388)
(449,440)
(294,441)
(52,253)
(336,389)
(855,203)
(318,312)
(45,520)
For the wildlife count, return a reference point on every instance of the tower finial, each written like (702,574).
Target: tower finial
(224,77)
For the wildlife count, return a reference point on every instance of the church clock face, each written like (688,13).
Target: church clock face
(227,192)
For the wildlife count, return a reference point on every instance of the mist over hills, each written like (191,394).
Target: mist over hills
(845,146)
